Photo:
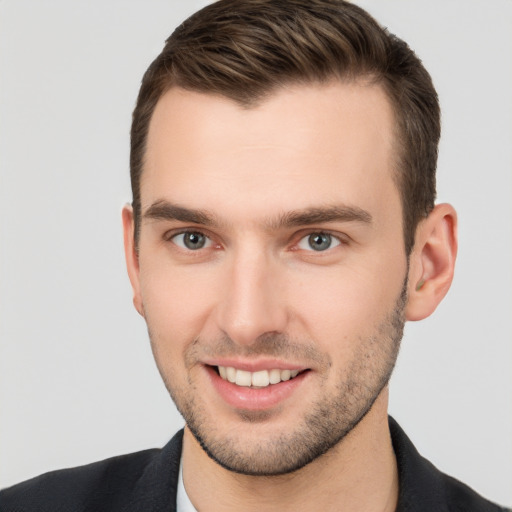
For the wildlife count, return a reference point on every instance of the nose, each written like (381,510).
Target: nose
(252,303)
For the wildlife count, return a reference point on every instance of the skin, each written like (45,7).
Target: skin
(258,296)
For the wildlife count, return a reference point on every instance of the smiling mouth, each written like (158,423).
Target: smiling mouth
(259,379)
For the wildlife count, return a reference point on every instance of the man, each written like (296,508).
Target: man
(282,230)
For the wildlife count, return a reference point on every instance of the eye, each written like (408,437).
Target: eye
(318,242)
(191,240)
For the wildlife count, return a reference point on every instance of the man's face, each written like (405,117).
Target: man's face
(271,254)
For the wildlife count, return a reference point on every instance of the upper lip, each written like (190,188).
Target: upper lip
(254,366)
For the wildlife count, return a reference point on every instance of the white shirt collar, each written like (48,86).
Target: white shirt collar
(183,502)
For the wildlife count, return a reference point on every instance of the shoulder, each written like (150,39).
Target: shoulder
(423,488)
(461,498)
(124,482)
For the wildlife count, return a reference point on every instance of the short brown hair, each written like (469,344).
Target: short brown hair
(245,49)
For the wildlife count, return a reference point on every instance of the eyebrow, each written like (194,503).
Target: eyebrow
(163,210)
(319,215)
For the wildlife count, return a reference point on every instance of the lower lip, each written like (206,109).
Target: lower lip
(254,399)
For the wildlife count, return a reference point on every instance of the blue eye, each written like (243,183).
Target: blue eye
(191,240)
(318,242)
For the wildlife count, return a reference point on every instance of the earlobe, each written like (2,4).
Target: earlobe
(432,262)
(131,256)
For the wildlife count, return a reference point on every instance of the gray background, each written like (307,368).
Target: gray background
(77,379)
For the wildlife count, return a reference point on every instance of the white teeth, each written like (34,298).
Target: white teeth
(274,376)
(230,374)
(243,378)
(286,374)
(259,379)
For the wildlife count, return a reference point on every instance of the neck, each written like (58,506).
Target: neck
(359,473)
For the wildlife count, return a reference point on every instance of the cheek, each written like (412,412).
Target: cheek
(176,301)
(340,306)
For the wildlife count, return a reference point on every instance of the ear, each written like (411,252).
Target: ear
(132,259)
(432,261)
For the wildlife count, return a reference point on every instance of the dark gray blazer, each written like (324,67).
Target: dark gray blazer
(147,482)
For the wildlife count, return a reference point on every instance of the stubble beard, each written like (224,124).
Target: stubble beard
(325,426)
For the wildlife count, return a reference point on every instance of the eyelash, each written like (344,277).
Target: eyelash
(334,237)
(170,235)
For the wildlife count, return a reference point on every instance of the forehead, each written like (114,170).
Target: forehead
(326,143)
